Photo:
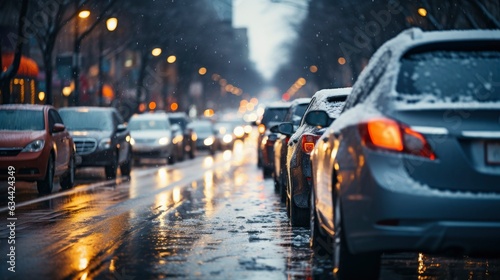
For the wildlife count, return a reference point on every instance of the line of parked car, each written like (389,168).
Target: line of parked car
(408,161)
(44,143)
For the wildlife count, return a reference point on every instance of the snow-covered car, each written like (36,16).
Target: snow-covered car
(413,161)
(296,175)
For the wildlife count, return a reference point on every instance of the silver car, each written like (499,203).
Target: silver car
(153,137)
(413,161)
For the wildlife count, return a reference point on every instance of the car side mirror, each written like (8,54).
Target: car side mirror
(58,127)
(121,128)
(318,118)
(274,129)
(285,128)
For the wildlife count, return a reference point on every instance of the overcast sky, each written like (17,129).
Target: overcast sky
(269,26)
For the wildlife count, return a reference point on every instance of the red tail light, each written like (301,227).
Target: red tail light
(308,142)
(389,135)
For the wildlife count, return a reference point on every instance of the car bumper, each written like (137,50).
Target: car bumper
(150,151)
(384,209)
(97,158)
(28,166)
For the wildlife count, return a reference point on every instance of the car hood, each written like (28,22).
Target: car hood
(90,134)
(150,134)
(16,139)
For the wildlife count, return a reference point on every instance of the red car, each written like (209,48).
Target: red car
(35,142)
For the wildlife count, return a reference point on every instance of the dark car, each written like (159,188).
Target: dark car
(205,135)
(189,137)
(297,168)
(413,161)
(295,112)
(36,147)
(101,138)
(273,114)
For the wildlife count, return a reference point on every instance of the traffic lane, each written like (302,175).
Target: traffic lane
(231,227)
(50,229)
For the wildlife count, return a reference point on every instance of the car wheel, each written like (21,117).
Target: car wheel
(283,189)
(171,158)
(111,169)
(266,172)
(321,244)
(299,217)
(180,155)
(126,167)
(259,159)
(192,152)
(45,186)
(345,264)
(67,180)
(276,183)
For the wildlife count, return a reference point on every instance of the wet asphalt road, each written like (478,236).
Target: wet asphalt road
(206,218)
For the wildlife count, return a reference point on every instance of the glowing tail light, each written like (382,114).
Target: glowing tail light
(308,142)
(387,134)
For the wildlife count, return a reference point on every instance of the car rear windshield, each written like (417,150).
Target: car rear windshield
(145,124)
(450,76)
(21,120)
(274,115)
(87,120)
(180,121)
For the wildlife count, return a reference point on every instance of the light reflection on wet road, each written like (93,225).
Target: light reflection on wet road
(207,218)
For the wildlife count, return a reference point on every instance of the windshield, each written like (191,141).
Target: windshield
(450,76)
(274,115)
(202,128)
(137,124)
(21,120)
(180,121)
(87,120)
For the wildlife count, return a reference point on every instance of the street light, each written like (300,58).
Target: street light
(111,24)
(83,14)
(156,52)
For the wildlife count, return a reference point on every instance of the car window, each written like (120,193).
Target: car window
(362,90)
(21,120)
(147,124)
(449,76)
(83,120)
(274,115)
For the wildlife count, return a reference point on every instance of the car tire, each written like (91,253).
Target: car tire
(345,264)
(266,172)
(171,158)
(67,180)
(111,169)
(45,186)
(321,244)
(299,217)
(283,190)
(192,152)
(126,167)
(259,159)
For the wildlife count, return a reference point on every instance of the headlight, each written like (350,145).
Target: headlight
(163,141)
(227,138)
(239,131)
(132,141)
(209,141)
(34,146)
(194,137)
(105,143)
